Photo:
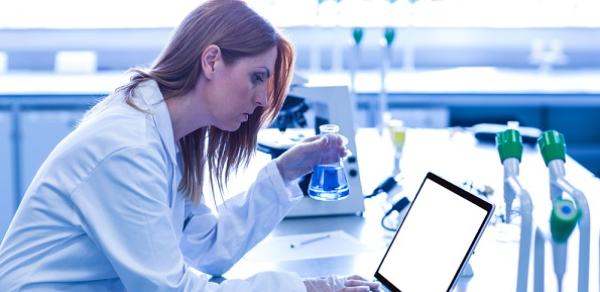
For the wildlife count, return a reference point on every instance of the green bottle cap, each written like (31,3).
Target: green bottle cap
(552,145)
(509,144)
(389,33)
(563,219)
(357,34)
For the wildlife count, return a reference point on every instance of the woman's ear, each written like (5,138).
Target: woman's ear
(209,59)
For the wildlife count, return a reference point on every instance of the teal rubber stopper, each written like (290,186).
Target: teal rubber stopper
(552,145)
(563,219)
(357,34)
(509,144)
(389,33)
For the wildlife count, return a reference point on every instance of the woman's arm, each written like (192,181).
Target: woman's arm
(123,209)
(249,217)
(214,245)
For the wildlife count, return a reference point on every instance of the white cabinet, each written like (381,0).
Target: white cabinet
(40,133)
(7,193)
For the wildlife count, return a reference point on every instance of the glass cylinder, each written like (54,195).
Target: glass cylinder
(398,136)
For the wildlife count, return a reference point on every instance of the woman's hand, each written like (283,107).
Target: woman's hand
(303,157)
(340,284)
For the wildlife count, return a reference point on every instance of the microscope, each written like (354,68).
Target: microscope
(303,111)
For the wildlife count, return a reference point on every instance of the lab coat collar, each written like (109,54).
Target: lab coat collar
(150,93)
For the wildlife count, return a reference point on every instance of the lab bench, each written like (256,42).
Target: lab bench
(457,156)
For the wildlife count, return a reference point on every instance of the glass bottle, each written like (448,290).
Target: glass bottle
(328,182)
(398,136)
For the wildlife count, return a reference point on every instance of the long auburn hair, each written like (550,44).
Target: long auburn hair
(239,32)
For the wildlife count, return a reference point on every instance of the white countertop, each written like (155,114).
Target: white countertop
(486,80)
(23,83)
(458,157)
(480,80)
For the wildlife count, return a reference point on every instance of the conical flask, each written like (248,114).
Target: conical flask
(328,182)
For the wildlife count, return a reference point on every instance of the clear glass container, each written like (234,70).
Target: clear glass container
(328,181)
(397,133)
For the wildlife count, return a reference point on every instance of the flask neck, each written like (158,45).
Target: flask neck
(333,164)
(329,129)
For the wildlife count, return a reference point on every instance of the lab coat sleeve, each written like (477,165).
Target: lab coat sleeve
(123,209)
(213,245)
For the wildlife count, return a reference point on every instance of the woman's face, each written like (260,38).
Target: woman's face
(236,90)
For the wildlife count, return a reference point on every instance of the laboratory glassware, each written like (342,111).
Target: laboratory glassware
(553,149)
(328,181)
(510,149)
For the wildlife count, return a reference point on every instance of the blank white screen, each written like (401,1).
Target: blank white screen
(433,240)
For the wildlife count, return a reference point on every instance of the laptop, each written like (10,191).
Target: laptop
(436,238)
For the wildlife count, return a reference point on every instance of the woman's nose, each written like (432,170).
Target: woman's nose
(261,98)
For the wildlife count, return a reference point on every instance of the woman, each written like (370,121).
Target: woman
(118,204)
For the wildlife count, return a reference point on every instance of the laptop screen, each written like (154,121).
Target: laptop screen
(435,239)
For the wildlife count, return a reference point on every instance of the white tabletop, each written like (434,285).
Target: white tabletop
(456,156)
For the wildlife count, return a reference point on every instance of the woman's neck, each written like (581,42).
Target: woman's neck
(188,113)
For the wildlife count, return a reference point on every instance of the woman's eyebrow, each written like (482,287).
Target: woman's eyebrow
(266,71)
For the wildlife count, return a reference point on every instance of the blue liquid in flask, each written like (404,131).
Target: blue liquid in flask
(328,183)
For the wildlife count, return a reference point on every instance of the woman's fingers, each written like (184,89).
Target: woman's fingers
(358,281)
(356,289)
(329,138)
(356,277)
(301,159)
(311,138)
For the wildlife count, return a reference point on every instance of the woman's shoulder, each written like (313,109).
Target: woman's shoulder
(117,127)
(113,125)
(120,123)
(114,133)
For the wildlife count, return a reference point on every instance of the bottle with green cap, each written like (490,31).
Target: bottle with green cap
(563,219)
(509,144)
(357,35)
(510,149)
(566,215)
(389,33)
(553,149)
(386,63)
(552,146)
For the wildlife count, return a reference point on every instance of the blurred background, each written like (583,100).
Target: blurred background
(435,64)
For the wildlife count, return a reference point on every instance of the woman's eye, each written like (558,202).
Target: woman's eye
(257,78)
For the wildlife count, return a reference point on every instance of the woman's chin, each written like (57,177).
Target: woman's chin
(230,128)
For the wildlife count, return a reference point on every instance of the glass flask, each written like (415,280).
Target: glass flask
(328,182)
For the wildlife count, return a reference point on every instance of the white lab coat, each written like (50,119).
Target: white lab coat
(103,214)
